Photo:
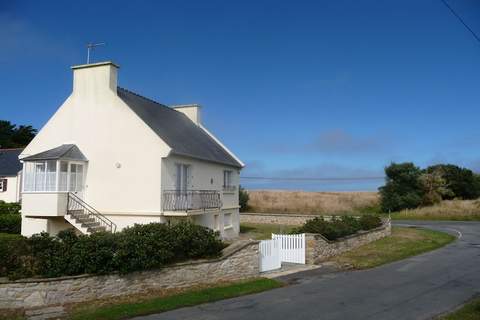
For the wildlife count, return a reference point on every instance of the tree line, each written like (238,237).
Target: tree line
(408,186)
(15,136)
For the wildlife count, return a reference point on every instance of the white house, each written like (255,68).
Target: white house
(10,175)
(110,158)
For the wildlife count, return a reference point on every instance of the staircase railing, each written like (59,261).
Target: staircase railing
(76,206)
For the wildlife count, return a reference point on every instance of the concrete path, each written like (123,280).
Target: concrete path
(416,288)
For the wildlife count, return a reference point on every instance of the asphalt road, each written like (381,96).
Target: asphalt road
(416,288)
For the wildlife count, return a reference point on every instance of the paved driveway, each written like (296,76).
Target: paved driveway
(416,288)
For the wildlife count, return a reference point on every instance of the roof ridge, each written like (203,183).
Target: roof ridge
(151,100)
(143,97)
(68,150)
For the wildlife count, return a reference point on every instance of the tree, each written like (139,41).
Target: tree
(435,188)
(461,182)
(244,197)
(13,136)
(403,189)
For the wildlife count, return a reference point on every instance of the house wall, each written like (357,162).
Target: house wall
(128,164)
(13,189)
(207,176)
(123,172)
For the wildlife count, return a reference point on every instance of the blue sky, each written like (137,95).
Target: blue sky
(314,88)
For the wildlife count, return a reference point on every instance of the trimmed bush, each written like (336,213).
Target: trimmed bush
(9,207)
(368,222)
(339,227)
(141,247)
(10,218)
(10,223)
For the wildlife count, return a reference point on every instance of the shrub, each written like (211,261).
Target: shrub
(9,207)
(403,189)
(368,222)
(339,227)
(140,247)
(10,218)
(15,260)
(10,223)
(243,198)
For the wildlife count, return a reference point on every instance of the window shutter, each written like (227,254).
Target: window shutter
(5,184)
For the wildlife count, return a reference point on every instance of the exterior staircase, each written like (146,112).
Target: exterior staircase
(85,218)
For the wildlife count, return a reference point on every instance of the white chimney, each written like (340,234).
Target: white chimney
(90,79)
(192,111)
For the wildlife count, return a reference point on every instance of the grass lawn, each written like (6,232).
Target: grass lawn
(161,304)
(260,231)
(403,243)
(470,311)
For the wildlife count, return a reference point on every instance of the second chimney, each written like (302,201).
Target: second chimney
(192,111)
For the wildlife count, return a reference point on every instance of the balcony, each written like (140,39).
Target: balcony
(193,201)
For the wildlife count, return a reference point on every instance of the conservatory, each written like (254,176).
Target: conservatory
(49,176)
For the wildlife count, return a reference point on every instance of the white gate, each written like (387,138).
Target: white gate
(269,255)
(292,247)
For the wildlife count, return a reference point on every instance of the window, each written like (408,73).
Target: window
(3,185)
(215,223)
(183,172)
(227,220)
(41,176)
(227,181)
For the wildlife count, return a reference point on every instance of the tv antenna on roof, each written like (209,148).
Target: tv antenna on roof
(90,47)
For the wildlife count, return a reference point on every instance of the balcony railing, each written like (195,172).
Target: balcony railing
(179,200)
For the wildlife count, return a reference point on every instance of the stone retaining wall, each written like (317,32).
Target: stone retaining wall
(238,261)
(320,249)
(278,218)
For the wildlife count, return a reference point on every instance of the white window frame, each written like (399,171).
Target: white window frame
(228,185)
(183,172)
(2,184)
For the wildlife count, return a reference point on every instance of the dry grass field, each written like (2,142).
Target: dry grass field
(446,210)
(312,202)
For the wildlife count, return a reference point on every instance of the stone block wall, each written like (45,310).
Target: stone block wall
(278,218)
(319,249)
(238,261)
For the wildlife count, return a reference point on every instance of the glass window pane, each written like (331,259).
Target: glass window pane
(185,178)
(39,176)
(79,186)
(29,177)
(62,183)
(51,178)
(73,177)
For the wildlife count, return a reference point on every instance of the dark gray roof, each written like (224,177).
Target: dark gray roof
(183,136)
(65,152)
(9,163)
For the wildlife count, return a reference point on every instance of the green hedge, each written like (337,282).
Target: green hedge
(10,218)
(339,227)
(140,247)
(9,207)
